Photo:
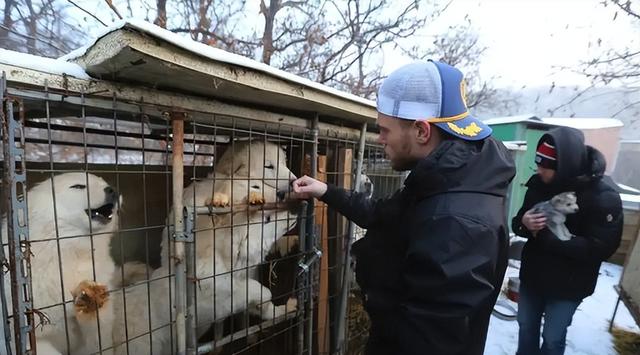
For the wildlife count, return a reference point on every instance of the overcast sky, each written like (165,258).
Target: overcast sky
(528,40)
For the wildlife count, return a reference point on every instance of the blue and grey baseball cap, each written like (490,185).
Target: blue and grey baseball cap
(434,92)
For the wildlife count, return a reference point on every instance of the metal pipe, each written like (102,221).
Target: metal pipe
(19,260)
(6,338)
(346,274)
(311,239)
(190,255)
(301,279)
(177,121)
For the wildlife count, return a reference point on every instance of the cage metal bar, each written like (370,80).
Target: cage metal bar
(346,270)
(302,274)
(311,238)
(6,338)
(190,255)
(177,121)
(55,213)
(17,227)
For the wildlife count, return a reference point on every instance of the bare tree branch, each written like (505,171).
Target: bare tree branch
(87,12)
(113,7)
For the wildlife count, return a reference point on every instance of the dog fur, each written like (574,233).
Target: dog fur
(253,159)
(556,211)
(366,186)
(250,173)
(82,296)
(226,258)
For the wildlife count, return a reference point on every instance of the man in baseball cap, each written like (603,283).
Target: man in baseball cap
(435,253)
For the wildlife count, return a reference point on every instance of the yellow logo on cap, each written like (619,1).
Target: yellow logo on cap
(471,130)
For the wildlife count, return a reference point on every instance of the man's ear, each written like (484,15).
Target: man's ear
(423,131)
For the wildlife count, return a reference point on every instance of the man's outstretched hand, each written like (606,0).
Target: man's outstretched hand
(306,187)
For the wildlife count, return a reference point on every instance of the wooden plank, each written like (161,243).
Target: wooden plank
(323,297)
(321,223)
(345,166)
(630,232)
(630,280)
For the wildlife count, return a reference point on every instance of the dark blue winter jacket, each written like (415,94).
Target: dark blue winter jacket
(435,253)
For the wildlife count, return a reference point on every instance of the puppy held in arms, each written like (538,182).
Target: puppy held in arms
(556,211)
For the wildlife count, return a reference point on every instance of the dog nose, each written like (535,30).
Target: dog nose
(280,195)
(112,194)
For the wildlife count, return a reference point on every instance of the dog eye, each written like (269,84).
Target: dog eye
(255,187)
(268,218)
(78,186)
(270,166)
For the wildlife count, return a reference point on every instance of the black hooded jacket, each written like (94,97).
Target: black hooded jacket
(434,256)
(569,269)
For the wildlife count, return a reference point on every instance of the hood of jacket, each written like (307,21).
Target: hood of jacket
(577,163)
(456,165)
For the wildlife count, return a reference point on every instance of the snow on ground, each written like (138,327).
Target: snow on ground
(588,335)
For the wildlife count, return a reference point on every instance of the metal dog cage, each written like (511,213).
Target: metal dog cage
(148,144)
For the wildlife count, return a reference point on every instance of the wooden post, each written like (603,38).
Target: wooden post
(345,164)
(323,296)
(320,222)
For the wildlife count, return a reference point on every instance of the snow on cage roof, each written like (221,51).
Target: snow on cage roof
(42,64)
(215,54)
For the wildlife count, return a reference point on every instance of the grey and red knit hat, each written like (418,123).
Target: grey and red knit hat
(546,156)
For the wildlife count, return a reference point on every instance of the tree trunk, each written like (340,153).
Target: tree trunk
(161,17)
(31,24)
(267,36)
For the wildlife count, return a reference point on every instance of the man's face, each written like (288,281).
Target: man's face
(397,138)
(546,175)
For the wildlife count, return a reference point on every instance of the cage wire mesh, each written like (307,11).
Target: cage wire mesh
(255,273)
(100,186)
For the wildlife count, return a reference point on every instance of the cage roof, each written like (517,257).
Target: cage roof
(140,52)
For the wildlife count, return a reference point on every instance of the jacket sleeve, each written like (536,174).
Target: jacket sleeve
(516,223)
(363,211)
(602,236)
(449,274)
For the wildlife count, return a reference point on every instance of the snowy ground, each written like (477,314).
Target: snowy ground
(588,335)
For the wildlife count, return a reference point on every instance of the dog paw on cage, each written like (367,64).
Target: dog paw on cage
(256,160)
(89,298)
(218,200)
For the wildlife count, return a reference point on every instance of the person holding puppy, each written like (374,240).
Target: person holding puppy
(556,275)
(435,253)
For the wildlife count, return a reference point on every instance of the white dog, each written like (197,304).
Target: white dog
(556,211)
(249,173)
(253,159)
(226,259)
(84,204)
(366,186)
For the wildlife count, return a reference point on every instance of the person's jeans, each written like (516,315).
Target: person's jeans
(557,318)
